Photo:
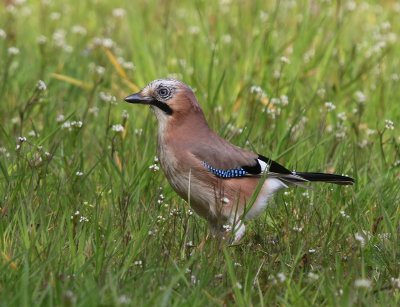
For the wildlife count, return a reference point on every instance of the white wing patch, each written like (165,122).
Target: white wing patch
(264,166)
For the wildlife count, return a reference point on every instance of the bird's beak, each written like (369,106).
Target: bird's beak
(139,98)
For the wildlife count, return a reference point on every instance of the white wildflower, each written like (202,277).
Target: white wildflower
(238,285)
(118,12)
(41,40)
(329,106)
(297,228)
(360,238)
(59,38)
(285,60)
(13,51)
(79,173)
(194,30)
(395,282)
(124,300)
(128,65)
(342,116)
(41,86)
(94,110)
(363,283)
(125,114)
(107,42)
(138,262)
(311,250)
(60,118)
(55,15)
(32,133)
(226,38)
(389,124)
(284,100)
(312,276)
(281,277)
(117,128)
(21,139)
(344,214)
(321,92)
(100,70)
(3,34)
(154,167)
(107,97)
(83,219)
(360,97)
(276,74)
(78,29)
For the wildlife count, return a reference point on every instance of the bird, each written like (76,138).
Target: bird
(223,183)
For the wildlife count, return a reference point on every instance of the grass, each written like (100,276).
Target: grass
(83,219)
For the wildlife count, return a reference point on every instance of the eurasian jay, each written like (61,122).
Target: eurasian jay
(223,183)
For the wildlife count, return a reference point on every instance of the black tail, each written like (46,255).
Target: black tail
(330,178)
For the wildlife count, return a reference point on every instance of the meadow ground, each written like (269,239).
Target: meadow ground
(87,218)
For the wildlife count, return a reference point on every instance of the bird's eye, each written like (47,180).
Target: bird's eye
(164,92)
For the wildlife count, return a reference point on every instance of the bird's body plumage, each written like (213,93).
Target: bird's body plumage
(222,183)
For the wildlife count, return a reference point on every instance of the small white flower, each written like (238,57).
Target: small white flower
(13,51)
(41,40)
(342,116)
(154,167)
(311,250)
(3,34)
(128,65)
(83,219)
(60,118)
(21,139)
(238,285)
(389,124)
(77,212)
(281,277)
(360,238)
(285,60)
(321,92)
(32,133)
(107,97)
(55,16)
(78,29)
(360,97)
(118,12)
(107,42)
(363,283)
(124,300)
(297,228)
(312,276)
(117,128)
(125,114)
(395,282)
(100,70)
(329,106)
(79,173)
(194,30)
(138,262)
(41,86)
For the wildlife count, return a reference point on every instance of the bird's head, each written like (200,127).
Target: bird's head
(169,99)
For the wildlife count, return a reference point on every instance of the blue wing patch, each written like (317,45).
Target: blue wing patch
(226,173)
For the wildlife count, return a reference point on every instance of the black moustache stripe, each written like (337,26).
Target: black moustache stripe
(162,106)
